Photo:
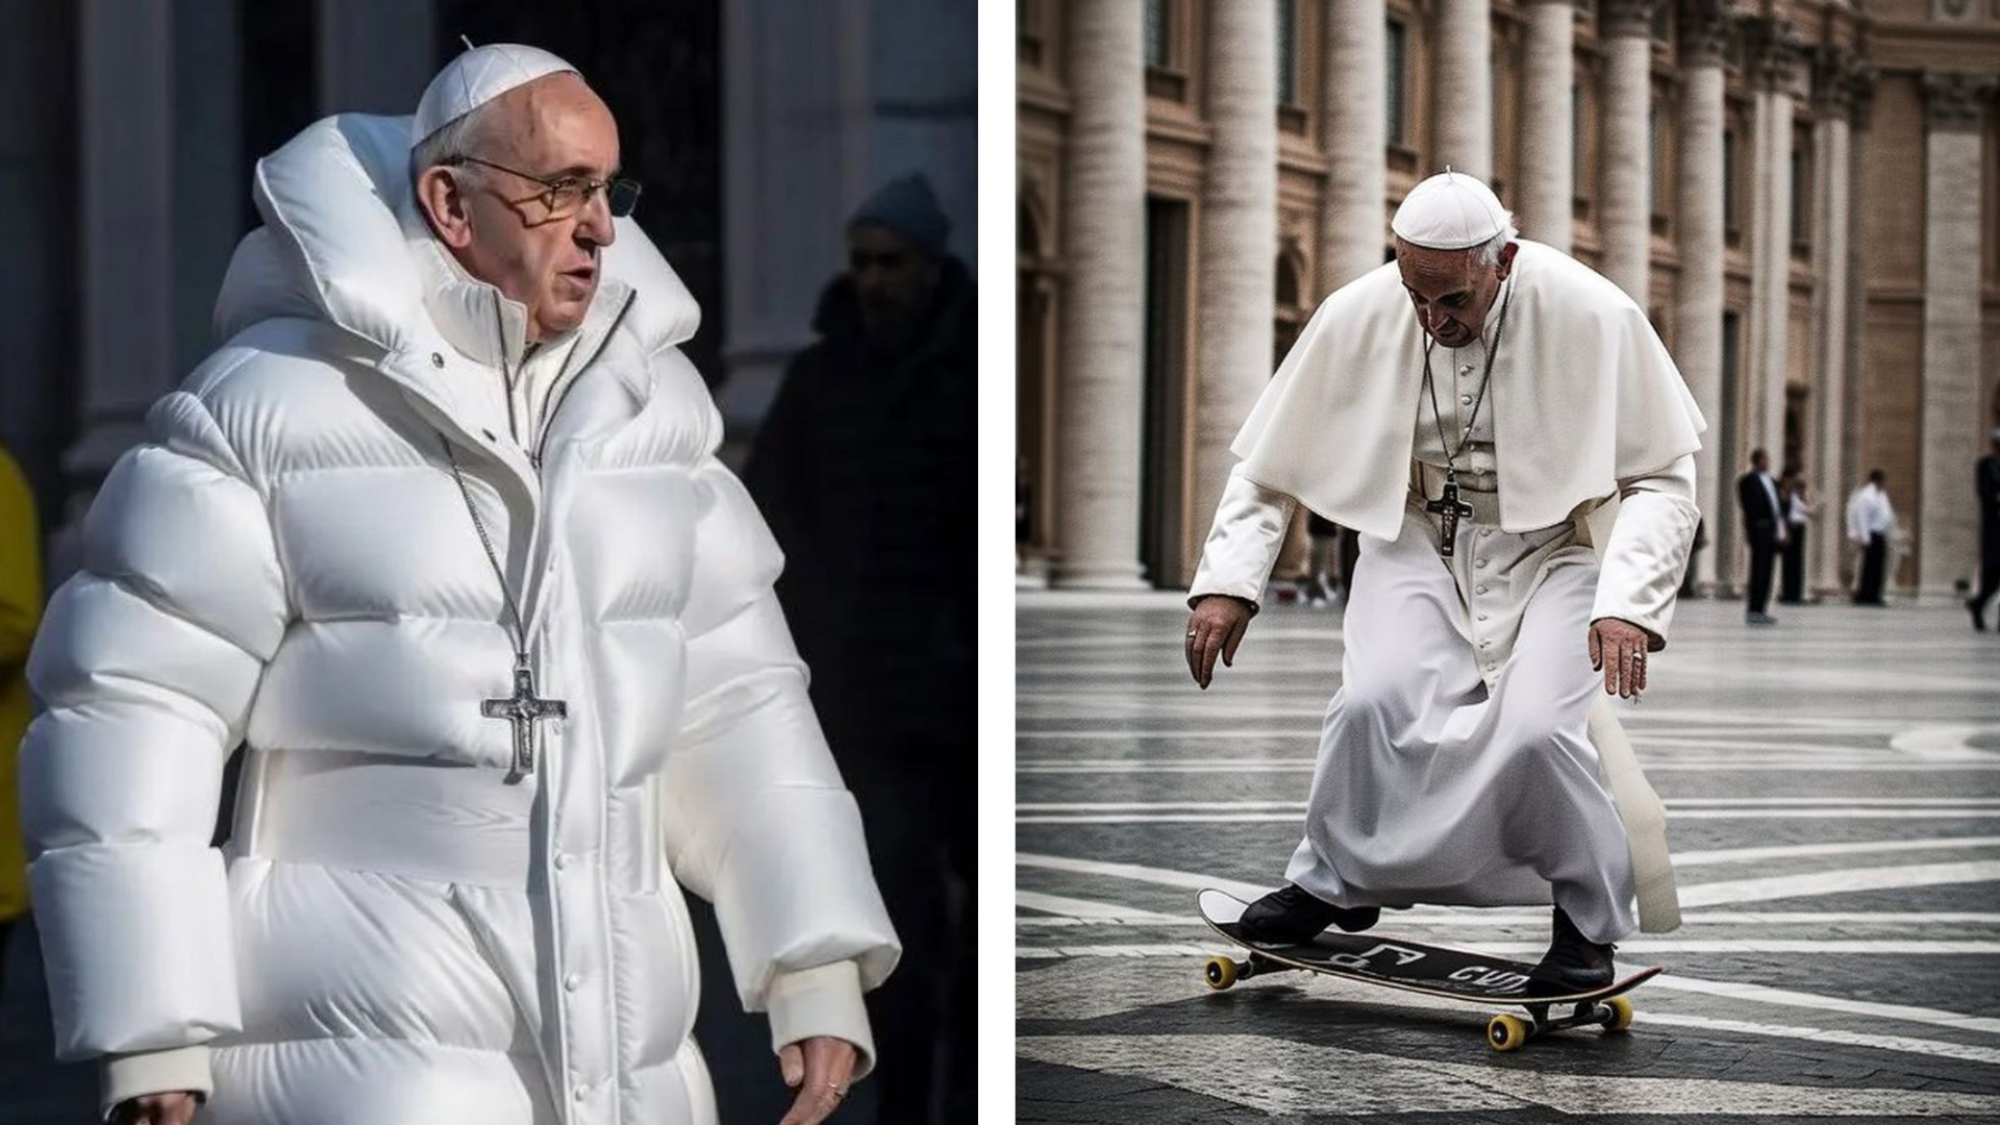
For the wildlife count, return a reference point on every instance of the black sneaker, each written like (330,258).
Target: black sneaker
(1290,916)
(1574,963)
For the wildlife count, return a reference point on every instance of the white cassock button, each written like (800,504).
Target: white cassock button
(1465,399)
(1481,564)
(1465,369)
(562,861)
(572,982)
(1479,589)
(582,1091)
(1482,617)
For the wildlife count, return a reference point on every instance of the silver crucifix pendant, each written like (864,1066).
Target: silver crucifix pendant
(523,709)
(1448,506)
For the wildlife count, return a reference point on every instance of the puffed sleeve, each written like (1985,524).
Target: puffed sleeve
(1647,554)
(148,661)
(1244,541)
(758,820)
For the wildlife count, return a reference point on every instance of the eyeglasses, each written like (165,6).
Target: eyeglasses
(566,195)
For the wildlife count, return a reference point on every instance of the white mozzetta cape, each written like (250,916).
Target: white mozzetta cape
(393,934)
(1584,395)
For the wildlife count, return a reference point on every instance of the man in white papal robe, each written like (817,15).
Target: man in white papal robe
(1467,408)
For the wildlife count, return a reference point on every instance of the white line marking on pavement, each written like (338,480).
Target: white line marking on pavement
(1839,882)
(1277,1077)
(1156,875)
(1085,909)
(1760,994)
(1801,851)
(1682,814)
(1442,918)
(1951,743)
(1803,763)
(1521,949)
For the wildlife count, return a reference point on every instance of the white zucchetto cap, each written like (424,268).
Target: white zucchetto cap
(1449,211)
(477,77)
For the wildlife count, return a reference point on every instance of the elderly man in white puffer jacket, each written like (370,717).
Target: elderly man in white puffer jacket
(440,537)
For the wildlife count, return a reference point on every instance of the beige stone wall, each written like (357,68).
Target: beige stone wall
(1882,426)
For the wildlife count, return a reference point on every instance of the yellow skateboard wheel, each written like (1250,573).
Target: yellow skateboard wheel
(1621,1014)
(1220,973)
(1506,1033)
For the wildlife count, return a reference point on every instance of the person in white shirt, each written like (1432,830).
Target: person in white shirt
(1870,520)
(1798,513)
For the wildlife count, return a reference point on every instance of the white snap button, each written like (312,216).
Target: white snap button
(572,982)
(1479,590)
(562,861)
(582,1091)
(1466,399)
(1481,564)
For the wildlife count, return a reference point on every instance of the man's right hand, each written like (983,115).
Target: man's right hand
(156,1109)
(1214,629)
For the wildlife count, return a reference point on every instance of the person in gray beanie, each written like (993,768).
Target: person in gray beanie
(864,467)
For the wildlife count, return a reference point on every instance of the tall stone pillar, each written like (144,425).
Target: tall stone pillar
(1462,85)
(1776,59)
(126,162)
(1952,415)
(1833,101)
(1355,138)
(1627,163)
(1545,195)
(1236,278)
(1104,239)
(1705,28)
(375,56)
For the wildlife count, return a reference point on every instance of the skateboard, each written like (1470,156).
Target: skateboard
(1432,970)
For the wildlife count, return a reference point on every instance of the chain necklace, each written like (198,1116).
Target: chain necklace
(524,708)
(1447,504)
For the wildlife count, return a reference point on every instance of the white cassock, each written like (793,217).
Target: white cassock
(1456,762)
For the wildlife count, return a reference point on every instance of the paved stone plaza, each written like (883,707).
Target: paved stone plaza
(1833,793)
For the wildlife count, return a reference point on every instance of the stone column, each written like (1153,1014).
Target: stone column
(1705,28)
(1833,102)
(1861,80)
(795,163)
(375,56)
(1355,138)
(1776,58)
(1101,385)
(1952,414)
(1462,86)
(1627,163)
(125,324)
(1238,239)
(1544,199)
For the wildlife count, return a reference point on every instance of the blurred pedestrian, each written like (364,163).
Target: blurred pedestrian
(1321,558)
(1764,523)
(1688,586)
(1986,476)
(865,467)
(1798,512)
(1870,521)
(20,612)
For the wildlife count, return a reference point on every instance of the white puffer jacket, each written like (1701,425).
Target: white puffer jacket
(394,935)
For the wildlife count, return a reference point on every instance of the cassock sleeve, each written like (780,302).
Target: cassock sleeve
(757,819)
(1244,541)
(1647,554)
(148,660)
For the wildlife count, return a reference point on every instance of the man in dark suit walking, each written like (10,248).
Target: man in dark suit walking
(1987,476)
(1764,522)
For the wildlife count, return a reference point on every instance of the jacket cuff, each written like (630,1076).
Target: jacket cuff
(822,1001)
(127,1076)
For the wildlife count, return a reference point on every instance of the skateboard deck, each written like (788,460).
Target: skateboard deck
(1412,966)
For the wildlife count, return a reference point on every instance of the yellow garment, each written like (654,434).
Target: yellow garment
(20,611)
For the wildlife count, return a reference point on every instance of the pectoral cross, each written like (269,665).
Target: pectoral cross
(523,709)
(1448,506)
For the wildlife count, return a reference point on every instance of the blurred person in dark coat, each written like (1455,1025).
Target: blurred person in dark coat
(865,469)
(1986,478)
(1764,523)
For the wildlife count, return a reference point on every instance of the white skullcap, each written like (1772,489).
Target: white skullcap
(1449,211)
(477,77)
